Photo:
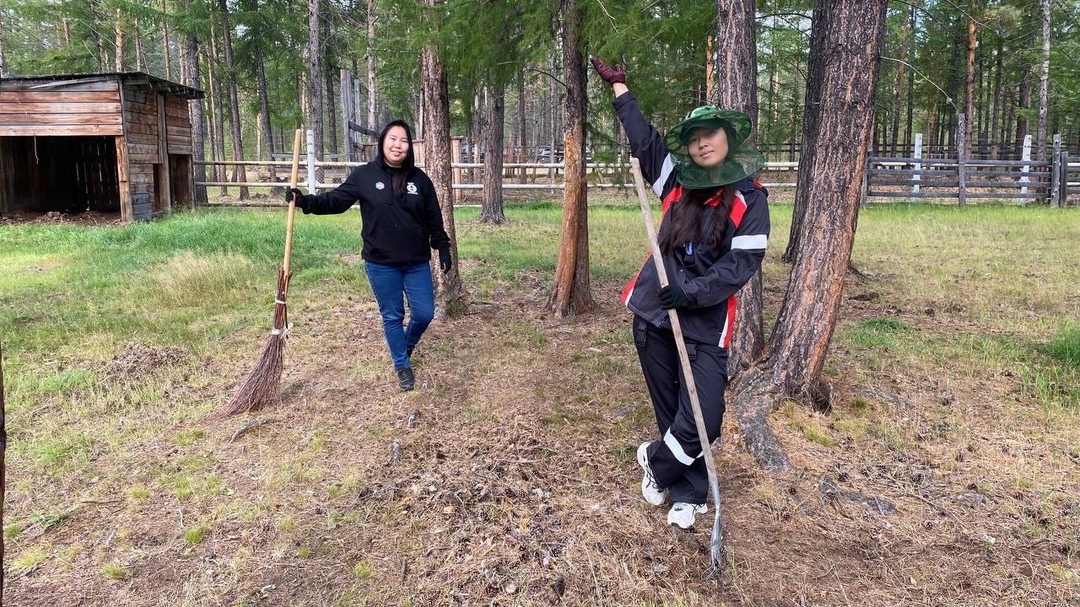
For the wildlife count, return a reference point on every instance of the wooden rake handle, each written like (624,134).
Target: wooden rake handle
(293,179)
(673,316)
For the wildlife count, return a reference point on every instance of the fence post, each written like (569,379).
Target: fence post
(1055,172)
(1024,171)
(312,182)
(918,165)
(961,153)
(1063,188)
(455,174)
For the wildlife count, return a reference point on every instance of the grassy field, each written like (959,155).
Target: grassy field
(947,472)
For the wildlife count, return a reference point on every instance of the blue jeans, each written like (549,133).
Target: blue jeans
(389,283)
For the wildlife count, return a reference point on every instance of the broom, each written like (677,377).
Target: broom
(716,543)
(264,383)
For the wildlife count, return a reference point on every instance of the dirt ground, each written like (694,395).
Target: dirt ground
(508,478)
(89,218)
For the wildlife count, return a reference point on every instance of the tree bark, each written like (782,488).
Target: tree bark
(119,43)
(491,201)
(371,96)
(450,291)
(898,99)
(189,65)
(845,46)
(572,293)
(969,87)
(315,80)
(165,41)
(1044,81)
(239,172)
(736,88)
(264,110)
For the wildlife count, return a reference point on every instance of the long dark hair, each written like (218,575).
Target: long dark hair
(400,175)
(687,216)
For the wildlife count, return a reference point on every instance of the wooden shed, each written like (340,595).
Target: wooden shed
(110,143)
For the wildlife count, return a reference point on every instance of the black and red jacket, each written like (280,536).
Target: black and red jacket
(709,274)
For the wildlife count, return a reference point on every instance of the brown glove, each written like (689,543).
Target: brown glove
(611,75)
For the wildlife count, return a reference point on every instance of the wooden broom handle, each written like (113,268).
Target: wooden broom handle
(292,203)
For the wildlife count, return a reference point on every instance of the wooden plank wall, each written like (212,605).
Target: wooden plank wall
(178,126)
(91,108)
(142,142)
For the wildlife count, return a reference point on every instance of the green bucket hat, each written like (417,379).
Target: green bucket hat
(740,162)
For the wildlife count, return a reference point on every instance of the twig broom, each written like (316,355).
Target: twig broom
(716,543)
(264,383)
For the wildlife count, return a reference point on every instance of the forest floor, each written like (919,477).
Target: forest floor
(507,477)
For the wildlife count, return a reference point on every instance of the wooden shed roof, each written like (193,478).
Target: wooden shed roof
(126,78)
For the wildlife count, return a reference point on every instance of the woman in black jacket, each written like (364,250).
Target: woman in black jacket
(713,233)
(401,224)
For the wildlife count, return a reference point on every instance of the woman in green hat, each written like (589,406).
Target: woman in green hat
(713,232)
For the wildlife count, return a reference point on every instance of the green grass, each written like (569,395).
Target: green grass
(81,293)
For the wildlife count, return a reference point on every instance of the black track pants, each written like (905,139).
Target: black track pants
(675,457)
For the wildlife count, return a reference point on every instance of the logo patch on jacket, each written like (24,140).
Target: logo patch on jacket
(380,185)
(411,188)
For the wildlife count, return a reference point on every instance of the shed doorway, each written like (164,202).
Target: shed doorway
(60,174)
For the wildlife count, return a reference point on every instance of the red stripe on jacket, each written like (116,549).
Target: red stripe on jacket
(738,210)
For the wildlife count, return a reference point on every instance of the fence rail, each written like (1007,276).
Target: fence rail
(1056,181)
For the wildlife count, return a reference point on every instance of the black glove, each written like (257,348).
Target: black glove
(671,296)
(444,260)
(611,75)
(293,194)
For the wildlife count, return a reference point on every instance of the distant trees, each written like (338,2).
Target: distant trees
(1022,66)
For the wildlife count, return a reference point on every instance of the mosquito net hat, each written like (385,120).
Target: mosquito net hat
(740,162)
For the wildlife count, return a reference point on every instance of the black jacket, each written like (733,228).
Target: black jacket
(396,230)
(709,275)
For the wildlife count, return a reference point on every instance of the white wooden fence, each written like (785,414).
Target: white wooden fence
(1056,181)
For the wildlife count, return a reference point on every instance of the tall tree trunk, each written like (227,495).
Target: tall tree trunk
(95,38)
(140,51)
(910,97)
(451,291)
(239,172)
(969,87)
(315,80)
(372,97)
(996,109)
(491,201)
(119,58)
(165,41)
(215,124)
(736,88)
(264,100)
(898,99)
(523,142)
(1023,102)
(189,65)
(331,111)
(1044,80)
(845,48)
(330,74)
(572,293)
(3,72)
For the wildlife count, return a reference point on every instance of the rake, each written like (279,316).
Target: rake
(263,385)
(716,543)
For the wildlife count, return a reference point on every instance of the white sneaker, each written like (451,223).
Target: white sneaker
(682,514)
(650,489)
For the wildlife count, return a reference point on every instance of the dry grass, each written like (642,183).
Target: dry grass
(508,477)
